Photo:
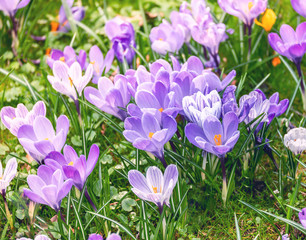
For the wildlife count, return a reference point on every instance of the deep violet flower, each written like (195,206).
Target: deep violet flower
(14,118)
(112,236)
(70,80)
(122,35)
(213,136)
(246,10)
(48,187)
(165,38)
(299,6)
(100,64)
(110,96)
(7,176)
(155,187)
(40,138)
(147,133)
(10,7)
(74,167)
(302,217)
(78,13)
(67,56)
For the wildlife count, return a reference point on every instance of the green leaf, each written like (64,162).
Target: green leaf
(128,204)
(3,149)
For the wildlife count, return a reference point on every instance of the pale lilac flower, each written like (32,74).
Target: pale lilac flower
(213,136)
(165,38)
(110,96)
(299,6)
(48,187)
(100,64)
(112,236)
(10,7)
(122,35)
(7,176)
(246,10)
(67,56)
(38,237)
(155,187)
(40,138)
(295,140)
(14,118)
(74,167)
(70,80)
(285,237)
(198,106)
(302,217)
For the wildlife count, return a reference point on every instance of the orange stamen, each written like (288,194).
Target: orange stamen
(276,61)
(48,51)
(54,26)
(217,139)
(151,135)
(161,109)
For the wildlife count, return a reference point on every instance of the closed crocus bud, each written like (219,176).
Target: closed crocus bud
(268,20)
(295,140)
(7,176)
(299,6)
(302,217)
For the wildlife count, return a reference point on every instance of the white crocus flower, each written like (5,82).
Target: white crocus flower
(295,140)
(9,173)
(69,80)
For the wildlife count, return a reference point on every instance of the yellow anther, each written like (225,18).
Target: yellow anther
(151,135)
(161,109)
(71,82)
(154,189)
(250,5)
(54,26)
(268,20)
(160,39)
(92,62)
(70,164)
(62,59)
(217,139)
(47,139)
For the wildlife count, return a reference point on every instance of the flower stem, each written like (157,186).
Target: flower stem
(89,200)
(298,67)
(250,40)
(204,164)
(163,161)
(8,214)
(224,188)
(215,57)
(14,37)
(205,53)
(164,228)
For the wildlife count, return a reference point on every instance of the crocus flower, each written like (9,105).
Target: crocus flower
(40,138)
(73,166)
(213,136)
(67,56)
(299,6)
(110,96)
(147,133)
(69,80)
(38,237)
(267,21)
(122,35)
(100,64)
(246,10)
(302,217)
(165,38)
(292,44)
(285,237)
(295,140)
(155,187)
(14,118)
(199,106)
(7,176)
(48,187)
(10,7)
(112,236)
(183,21)
(78,13)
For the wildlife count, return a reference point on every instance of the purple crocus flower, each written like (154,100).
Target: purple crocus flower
(213,136)
(14,118)
(7,176)
(292,44)
(198,106)
(112,236)
(100,64)
(73,166)
(40,138)
(285,237)
(299,6)
(302,217)
(78,13)
(155,187)
(122,35)
(10,7)
(69,80)
(165,38)
(67,56)
(147,133)
(246,10)
(110,96)
(48,187)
